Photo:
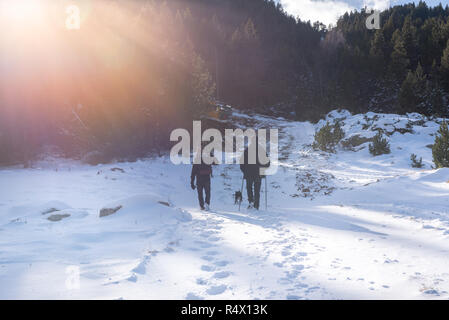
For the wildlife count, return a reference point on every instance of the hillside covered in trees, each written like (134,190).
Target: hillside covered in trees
(402,67)
(138,69)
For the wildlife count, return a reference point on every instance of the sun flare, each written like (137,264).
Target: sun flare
(21,11)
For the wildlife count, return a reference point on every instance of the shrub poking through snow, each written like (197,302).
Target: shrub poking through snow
(355,141)
(379,146)
(440,149)
(415,162)
(327,138)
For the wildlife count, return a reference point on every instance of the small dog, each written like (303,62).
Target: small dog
(238,197)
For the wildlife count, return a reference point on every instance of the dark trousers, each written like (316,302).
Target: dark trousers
(253,190)
(203,186)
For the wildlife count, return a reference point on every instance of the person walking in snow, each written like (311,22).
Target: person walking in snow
(253,173)
(202,173)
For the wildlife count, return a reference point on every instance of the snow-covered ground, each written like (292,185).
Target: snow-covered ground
(338,226)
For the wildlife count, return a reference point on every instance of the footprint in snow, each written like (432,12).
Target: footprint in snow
(391,261)
(217,227)
(432,292)
(290,275)
(298,267)
(221,263)
(204,244)
(153,252)
(216,289)
(207,268)
(312,289)
(207,258)
(201,281)
(301,286)
(285,253)
(207,234)
(222,274)
(297,258)
(192,296)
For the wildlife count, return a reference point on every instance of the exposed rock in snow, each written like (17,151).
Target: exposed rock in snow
(108,211)
(51,210)
(58,217)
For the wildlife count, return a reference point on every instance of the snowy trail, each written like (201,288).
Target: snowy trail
(338,226)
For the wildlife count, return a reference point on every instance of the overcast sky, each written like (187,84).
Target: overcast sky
(328,11)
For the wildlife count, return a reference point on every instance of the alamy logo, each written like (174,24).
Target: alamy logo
(373,20)
(234,143)
(72,281)
(73,21)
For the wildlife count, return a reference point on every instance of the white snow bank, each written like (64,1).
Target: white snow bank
(149,208)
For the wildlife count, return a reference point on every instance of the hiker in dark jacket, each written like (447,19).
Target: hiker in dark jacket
(252,174)
(202,173)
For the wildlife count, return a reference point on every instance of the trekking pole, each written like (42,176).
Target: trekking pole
(241,192)
(266,192)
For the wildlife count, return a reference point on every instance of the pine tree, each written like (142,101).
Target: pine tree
(399,60)
(389,26)
(436,100)
(419,73)
(379,47)
(415,162)
(250,31)
(187,14)
(379,145)
(203,86)
(440,149)
(409,37)
(217,28)
(445,66)
(236,37)
(328,137)
(407,95)
(435,71)
(413,93)
(421,91)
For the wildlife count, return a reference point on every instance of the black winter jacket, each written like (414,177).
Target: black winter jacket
(202,172)
(252,171)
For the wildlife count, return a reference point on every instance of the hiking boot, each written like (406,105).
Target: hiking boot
(251,205)
(202,208)
(207,207)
